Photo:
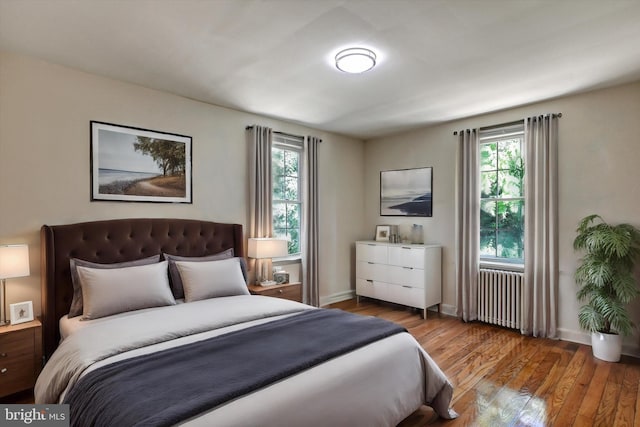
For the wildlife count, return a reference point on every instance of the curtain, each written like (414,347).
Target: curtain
(260,185)
(467,224)
(310,265)
(541,227)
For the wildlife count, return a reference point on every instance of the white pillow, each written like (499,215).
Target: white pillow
(110,291)
(210,279)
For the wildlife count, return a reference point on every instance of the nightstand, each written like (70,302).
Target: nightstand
(20,356)
(292,291)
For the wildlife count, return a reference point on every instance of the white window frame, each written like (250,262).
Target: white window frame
(292,143)
(487,136)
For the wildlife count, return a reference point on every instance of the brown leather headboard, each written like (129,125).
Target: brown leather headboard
(117,241)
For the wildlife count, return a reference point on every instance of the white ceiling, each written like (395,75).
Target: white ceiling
(438,60)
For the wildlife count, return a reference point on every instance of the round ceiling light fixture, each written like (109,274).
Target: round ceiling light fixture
(355,60)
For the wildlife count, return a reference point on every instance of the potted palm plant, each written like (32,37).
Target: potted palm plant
(606,280)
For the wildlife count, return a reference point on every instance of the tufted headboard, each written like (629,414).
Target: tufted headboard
(117,241)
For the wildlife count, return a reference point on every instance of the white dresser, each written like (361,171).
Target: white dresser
(404,274)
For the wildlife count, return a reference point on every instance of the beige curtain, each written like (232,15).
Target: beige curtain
(260,185)
(467,224)
(310,264)
(541,227)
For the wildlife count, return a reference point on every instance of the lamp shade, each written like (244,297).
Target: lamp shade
(14,261)
(267,247)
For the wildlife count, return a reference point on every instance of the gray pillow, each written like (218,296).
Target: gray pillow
(212,279)
(108,291)
(76,301)
(174,275)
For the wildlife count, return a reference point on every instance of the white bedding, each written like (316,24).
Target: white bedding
(377,385)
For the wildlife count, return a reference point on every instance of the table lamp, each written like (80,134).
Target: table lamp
(266,248)
(14,262)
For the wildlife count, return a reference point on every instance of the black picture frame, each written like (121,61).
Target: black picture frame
(131,164)
(407,192)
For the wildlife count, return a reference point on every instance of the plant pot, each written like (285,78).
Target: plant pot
(606,347)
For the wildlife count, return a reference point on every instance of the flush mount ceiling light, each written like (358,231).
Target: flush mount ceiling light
(355,60)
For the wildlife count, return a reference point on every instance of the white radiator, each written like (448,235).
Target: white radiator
(500,297)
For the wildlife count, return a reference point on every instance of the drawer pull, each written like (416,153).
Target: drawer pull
(408,268)
(370,263)
(370,281)
(406,247)
(371,244)
(3,354)
(3,370)
(280,291)
(404,286)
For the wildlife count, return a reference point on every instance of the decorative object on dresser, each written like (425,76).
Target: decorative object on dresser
(264,249)
(403,274)
(290,291)
(20,356)
(406,192)
(139,165)
(14,262)
(21,312)
(281,277)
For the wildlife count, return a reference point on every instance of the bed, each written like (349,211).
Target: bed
(251,357)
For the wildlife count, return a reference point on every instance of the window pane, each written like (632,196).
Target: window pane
(291,188)
(510,185)
(487,228)
(293,216)
(488,156)
(509,153)
(488,184)
(510,236)
(488,243)
(277,161)
(279,215)
(294,241)
(291,161)
(278,187)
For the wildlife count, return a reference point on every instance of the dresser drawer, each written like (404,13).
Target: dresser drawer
(17,364)
(408,276)
(406,256)
(371,252)
(372,271)
(406,295)
(289,291)
(371,289)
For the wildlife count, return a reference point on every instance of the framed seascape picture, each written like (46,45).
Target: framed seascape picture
(406,192)
(139,165)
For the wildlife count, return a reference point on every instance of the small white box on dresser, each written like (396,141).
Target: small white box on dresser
(403,274)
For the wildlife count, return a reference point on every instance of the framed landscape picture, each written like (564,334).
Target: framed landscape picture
(406,192)
(139,165)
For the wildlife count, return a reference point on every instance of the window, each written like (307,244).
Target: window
(502,194)
(286,164)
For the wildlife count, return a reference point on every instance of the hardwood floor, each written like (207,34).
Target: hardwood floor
(502,378)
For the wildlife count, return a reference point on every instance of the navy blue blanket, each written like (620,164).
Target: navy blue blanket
(170,386)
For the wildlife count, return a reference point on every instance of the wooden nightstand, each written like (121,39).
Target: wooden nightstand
(292,291)
(20,356)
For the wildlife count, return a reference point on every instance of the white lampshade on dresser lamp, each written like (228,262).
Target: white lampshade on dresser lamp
(266,248)
(14,262)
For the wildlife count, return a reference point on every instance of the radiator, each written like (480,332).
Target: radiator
(500,298)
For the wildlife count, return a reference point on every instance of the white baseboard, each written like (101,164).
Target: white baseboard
(447,309)
(340,296)
(582,337)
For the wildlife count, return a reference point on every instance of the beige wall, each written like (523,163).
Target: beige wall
(45,110)
(599,173)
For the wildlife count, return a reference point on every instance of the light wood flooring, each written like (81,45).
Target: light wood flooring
(502,378)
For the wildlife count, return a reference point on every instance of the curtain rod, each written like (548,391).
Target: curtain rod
(279,133)
(511,123)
